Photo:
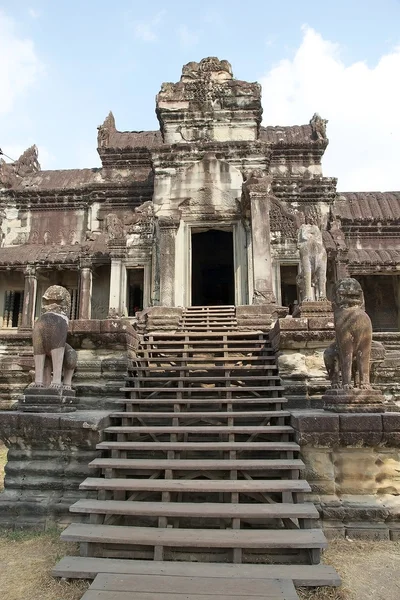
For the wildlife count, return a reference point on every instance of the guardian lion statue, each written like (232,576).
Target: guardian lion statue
(350,355)
(312,263)
(55,360)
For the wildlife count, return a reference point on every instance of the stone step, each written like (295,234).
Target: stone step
(205,538)
(262,414)
(198,465)
(79,567)
(223,510)
(200,446)
(203,430)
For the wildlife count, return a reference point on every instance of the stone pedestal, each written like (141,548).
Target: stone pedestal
(48,400)
(354,401)
(313,308)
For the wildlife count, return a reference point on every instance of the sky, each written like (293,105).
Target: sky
(65,65)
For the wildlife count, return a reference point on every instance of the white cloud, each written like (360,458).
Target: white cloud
(187,37)
(360,101)
(148,31)
(20,67)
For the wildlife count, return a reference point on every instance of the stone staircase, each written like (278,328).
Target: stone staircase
(200,467)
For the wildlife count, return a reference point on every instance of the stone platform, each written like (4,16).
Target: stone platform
(48,400)
(355,401)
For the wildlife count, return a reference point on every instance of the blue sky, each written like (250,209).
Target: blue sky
(64,65)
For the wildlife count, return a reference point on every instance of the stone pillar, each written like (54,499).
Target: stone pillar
(85,290)
(28,313)
(167,232)
(115,301)
(257,190)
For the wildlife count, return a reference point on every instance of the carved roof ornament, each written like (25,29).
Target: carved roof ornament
(105,130)
(27,164)
(208,68)
(318,126)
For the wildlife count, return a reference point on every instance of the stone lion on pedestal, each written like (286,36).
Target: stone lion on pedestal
(351,353)
(55,360)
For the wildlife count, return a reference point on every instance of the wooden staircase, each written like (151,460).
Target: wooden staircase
(200,467)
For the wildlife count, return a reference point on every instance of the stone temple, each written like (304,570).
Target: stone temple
(188,240)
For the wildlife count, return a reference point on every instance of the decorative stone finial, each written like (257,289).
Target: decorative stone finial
(105,130)
(318,126)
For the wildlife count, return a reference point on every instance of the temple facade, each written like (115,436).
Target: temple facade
(204,211)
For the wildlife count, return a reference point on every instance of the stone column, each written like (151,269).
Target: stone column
(257,190)
(85,290)
(30,290)
(167,234)
(114,306)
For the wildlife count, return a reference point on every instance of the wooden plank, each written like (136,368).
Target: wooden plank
(197,464)
(76,567)
(196,485)
(107,595)
(197,509)
(168,584)
(200,446)
(239,414)
(195,538)
(208,378)
(206,390)
(208,401)
(206,429)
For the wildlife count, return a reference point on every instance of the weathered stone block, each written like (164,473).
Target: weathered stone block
(391,421)
(360,422)
(290,324)
(85,325)
(320,323)
(317,422)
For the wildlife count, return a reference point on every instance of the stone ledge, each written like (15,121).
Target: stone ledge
(324,429)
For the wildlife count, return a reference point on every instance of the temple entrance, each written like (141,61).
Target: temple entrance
(213,280)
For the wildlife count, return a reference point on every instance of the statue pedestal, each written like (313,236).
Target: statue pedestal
(313,308)
(48,400)
(354,401)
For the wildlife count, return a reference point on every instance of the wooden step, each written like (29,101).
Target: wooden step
(199,401)
(213,359)
(196,485)
(146,587)
(186,369)
(197,465)
(223,510)
(204,430)
(78,567)
(200,446)
(229,388)
(206,538)
(248,414)
(205,379)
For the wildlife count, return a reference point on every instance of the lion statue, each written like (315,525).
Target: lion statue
(351,353)
(55,360)
(312,263)
(332,365)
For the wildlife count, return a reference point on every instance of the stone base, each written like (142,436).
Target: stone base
(310,308)
(354,401)
(48,400)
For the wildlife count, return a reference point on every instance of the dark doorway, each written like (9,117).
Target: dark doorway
(381,300)
(213,281)
(135,291)
(289,286)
